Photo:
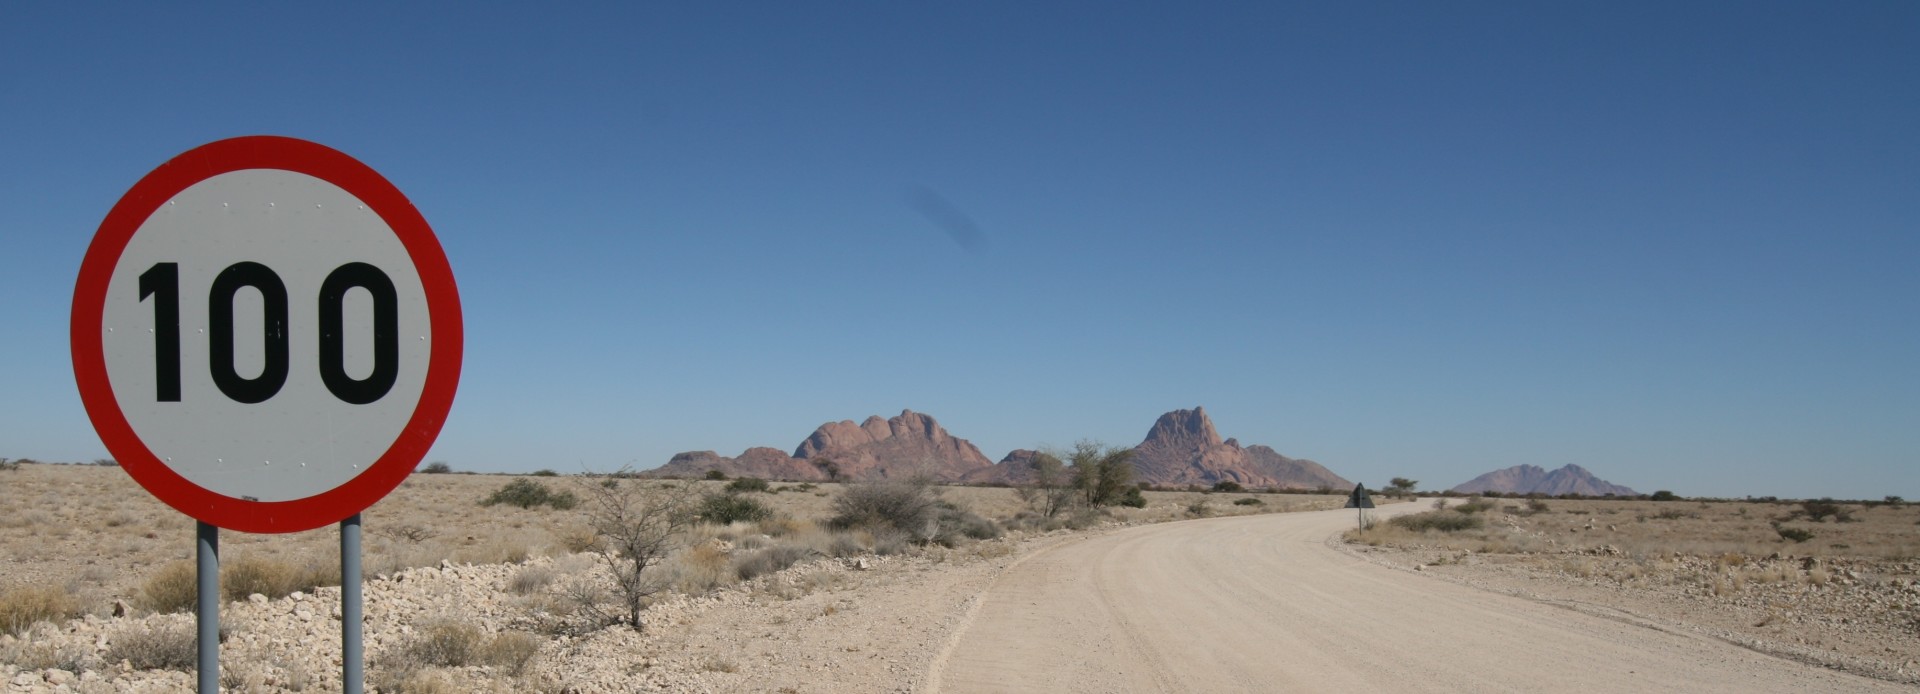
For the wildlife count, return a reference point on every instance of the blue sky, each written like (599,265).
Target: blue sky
(1675,244)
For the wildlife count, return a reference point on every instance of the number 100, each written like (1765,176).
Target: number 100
(162,283)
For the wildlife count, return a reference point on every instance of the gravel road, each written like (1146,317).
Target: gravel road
(1263,603)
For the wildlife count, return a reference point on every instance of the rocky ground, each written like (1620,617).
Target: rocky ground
(1820,605)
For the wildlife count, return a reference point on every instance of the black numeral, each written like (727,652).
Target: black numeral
(162,282)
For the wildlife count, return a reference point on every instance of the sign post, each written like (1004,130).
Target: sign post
(1361,500)
(267,336)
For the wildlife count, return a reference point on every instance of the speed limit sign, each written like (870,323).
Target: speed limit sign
(266,334)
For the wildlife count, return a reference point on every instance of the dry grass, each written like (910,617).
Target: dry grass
(21,608)
(166,646)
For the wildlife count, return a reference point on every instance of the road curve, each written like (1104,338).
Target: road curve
(1262,604)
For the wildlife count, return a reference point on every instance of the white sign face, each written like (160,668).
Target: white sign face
(304,439)
(266,334)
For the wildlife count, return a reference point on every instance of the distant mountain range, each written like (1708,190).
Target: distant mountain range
(1533,479)
(1181,449)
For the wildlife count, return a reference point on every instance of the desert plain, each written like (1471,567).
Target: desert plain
(1194,592)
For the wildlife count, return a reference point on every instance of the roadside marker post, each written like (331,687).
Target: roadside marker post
(267,336)
(1361,500)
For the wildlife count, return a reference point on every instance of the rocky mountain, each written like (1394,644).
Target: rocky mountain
(909,444)
(1533,479)
(1183,448)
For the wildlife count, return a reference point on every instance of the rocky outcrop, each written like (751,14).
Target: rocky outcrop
(1183,448)
(1015,469)
(759,461)
(904,446)
(1533,479)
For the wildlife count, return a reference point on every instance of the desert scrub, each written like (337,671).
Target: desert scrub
(528,494)
(148,646)
(1439,521)
(730,508)
(765,561)
(741,485)
(274,579)
(1248,501)
(173,588)
(21,607)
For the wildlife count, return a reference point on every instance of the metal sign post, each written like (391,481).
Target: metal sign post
(267,336)
(1361,500)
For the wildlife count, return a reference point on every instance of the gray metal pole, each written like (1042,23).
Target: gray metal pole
(353,668)
(207,613)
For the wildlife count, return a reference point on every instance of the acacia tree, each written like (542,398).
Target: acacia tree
(1401,486)
(1101,474)
(1052,488)
(638,524)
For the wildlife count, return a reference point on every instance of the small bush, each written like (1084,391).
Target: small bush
(1537,506)
(954,523)
(164,647)
(747,484)
(1199,509)
(577,538)
(9,465)
(716,475)
(446,644)
(726,509)
(1248,501)
(21,607)
(1794,534)
(1440,521)
(1133,498)
(1228,486)
(437,467)
(1474,505)
(529,580)
(545,473)
(173,588)
(511,652)
(769,560)
(1664,495)
(907,506)
(528,494)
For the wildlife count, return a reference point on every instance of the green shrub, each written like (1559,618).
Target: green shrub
(1440,521)
(526,493)
(1474,505)
(1228,486)
(1820,510)
(1664,495)
(716,475)
(956,522)
(1133,498)
(1794,534)
(725,509)
(1249,501)
(545,473)
(437,467)
(747,484)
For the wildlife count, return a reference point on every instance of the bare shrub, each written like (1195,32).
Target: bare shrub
(21,607)
(639,523)
(407,532)
(173,588)
(146,646)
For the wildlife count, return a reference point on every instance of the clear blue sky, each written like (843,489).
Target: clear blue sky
(1675,243)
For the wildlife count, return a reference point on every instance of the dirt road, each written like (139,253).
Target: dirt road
(1262,603)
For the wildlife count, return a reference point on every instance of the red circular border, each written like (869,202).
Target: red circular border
(443,304)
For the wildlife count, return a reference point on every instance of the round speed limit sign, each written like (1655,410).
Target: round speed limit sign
(266,334)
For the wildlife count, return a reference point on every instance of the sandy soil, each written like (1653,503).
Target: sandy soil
(1264,603)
